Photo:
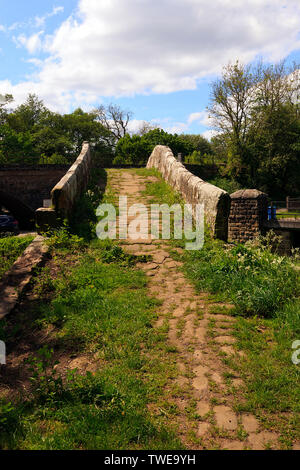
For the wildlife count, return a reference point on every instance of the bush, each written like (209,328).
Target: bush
(64,240)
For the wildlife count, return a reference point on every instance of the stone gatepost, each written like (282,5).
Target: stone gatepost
(248,213)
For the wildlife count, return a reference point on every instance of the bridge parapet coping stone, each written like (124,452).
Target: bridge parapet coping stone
(194,190)
(73,183)
(66,192)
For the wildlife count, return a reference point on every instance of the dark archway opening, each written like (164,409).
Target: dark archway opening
(295,238)
(24,214)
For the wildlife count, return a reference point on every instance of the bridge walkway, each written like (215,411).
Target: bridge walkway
(187,314)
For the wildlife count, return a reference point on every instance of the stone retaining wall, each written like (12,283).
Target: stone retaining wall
(194,190)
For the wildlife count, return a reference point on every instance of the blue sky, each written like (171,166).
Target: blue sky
(154,57)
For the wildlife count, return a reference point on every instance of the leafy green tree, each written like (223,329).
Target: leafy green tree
(137,149)
(54,138)
(232,98)
(80,126)
(176,143)
(256,110)
(198,143)
(27,115)
(274,142)
(132,150)
(16,147)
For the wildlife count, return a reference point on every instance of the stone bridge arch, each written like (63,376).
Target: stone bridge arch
(22,212)
(24,189)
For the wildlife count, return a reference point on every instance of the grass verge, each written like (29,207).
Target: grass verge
(10,249)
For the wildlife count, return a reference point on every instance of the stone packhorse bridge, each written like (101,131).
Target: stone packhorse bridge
(23,190)
(238,217)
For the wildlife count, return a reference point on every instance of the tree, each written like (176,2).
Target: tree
(198,143)
(146,127)
(114,119)
(174,141)
(274,141)
(4,100)
(16,147)
(256,109)
(232,98)
(132,150)
(137,149)
(28,114)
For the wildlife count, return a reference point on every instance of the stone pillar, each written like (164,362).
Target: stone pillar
(249,211)
(45,218)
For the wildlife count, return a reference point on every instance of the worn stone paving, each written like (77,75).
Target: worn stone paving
(201,338)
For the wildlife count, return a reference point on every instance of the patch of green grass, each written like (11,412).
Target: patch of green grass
(283,215)
(86,412)
(161,192)
(273,381)
(146,172)
(10,249)
(99,305)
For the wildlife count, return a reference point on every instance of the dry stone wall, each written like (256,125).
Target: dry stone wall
(194,190)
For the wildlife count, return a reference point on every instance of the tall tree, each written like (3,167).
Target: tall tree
(114,119)
(232,98)
(28,114)
(256,108)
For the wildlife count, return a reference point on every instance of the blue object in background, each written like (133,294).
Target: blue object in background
(271,212)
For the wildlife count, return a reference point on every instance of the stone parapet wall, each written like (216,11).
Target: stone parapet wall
(194,190)
(67,190)
(73,183)
(248,214)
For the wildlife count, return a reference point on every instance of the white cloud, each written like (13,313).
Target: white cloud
(40,20)
(201,118)
(209,134)
(33,43)
(118,48)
